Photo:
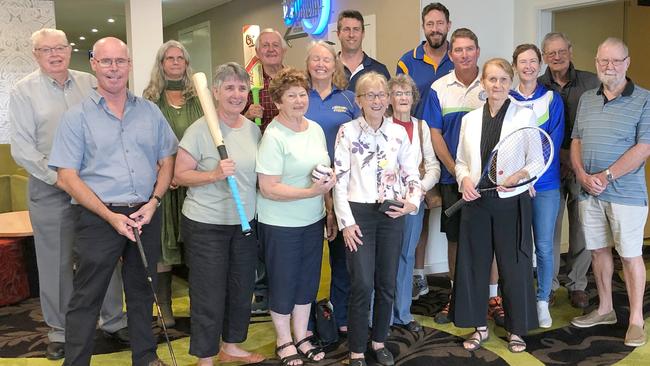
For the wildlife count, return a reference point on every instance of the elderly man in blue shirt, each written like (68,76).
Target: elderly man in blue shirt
(114,156)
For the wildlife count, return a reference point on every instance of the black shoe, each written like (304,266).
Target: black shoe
(122,335)
(412,326)
(384,357)
(55,351)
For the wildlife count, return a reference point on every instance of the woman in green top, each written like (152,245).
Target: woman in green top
(171,88)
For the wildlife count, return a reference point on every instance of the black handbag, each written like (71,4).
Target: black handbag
(326,328)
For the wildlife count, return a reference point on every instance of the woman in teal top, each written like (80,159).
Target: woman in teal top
(171,88)
(291,214)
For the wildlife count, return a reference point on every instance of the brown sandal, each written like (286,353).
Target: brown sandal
(476,340)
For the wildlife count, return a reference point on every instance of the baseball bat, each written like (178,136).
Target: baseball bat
(210,113)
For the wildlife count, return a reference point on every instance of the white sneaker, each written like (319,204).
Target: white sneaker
(543,315)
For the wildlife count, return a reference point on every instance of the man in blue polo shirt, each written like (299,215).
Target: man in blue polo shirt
(611,142)
(350,29)
(430,60)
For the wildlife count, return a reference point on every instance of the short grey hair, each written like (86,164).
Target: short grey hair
(228,71)
(553,36)
(613,41)
(405,82)
(285,46)
(45,32)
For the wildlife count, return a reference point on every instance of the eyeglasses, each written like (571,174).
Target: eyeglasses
(49,50)
(401,93)
(603,62)
(108,62)
(371,96)
(560,53)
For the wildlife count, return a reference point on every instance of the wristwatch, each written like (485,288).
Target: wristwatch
(610,177)
(160,200)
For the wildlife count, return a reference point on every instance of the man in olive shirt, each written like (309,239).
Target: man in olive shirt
(36,105)
(562,77)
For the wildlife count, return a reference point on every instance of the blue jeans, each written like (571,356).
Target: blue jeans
(403,289)
(546,205)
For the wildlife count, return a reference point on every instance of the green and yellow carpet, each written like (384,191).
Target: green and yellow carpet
(23,335)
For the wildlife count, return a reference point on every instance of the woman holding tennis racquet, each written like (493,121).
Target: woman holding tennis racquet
(220,256)
(549,110)
(496,221)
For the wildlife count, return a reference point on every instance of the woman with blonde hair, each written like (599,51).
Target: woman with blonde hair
(171,88)
(370,199)
(331,105)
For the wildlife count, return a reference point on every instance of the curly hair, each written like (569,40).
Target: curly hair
(338,78)
(405,82)
(284,80)
(157,82)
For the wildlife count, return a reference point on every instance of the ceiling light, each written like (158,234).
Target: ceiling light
(110,20)
(94,30)
(76,50)
(72,44)
(82,38)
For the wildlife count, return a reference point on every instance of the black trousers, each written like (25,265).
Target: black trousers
(222,275)
(97,248)
(372,267)
(501,227)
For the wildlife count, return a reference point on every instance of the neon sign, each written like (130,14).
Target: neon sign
(312,14)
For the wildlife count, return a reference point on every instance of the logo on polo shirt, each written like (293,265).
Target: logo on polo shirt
(339,109)
(482,95)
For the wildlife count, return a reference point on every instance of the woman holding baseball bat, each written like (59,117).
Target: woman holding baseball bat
(221,257)
(493,223)
(331,105)
(291,214)
(171,88)
(370,200)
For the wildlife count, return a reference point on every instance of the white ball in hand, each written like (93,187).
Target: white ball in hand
(321,171)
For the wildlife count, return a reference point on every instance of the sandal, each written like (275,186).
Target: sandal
(475,342)
(287,359)
(514,344)
(312,352)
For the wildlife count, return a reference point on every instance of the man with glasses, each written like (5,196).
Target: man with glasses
(430,60)
(449,99)
(611,142)
(114,154)
(36,105)
(562,76)
(350,28)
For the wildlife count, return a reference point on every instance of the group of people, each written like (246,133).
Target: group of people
(104,162)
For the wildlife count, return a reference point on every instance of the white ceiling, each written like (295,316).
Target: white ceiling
(77,17)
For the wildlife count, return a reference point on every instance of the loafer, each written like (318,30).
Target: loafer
(384,357)
(579,299)
(412,326)
(121,336)
(635,336)
(593,319)
(357,362)
(55,351)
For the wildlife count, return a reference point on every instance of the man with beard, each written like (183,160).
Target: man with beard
(351,29)
(611,141)
(430,60)
(562,76)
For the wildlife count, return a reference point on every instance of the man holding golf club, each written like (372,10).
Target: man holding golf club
(114,156)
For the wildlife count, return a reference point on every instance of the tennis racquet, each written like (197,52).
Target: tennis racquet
(210,114)
(518,159)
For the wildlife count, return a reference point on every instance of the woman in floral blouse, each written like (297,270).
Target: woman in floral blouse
(369,153)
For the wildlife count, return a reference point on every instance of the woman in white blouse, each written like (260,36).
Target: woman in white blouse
(370,154)
(493,223)
(403,96)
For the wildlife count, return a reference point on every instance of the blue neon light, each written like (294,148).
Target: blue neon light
(322,20)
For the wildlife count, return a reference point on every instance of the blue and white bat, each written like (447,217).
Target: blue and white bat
(210,113)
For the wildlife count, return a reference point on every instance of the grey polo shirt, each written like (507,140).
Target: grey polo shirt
(36,105)
(607,129)
(116,158)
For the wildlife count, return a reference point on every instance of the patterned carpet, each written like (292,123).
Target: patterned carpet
(23,336)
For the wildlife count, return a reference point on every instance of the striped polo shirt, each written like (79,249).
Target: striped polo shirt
(607,129)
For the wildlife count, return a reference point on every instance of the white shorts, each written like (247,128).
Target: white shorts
(608,224)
